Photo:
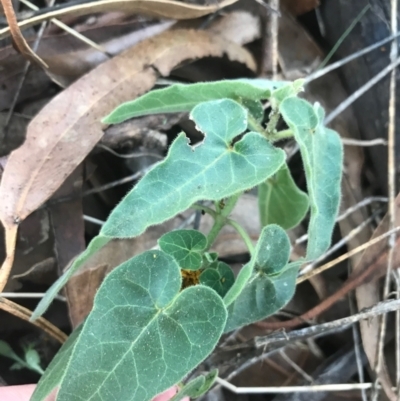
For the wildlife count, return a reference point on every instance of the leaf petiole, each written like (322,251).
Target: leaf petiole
(243,233)
(221,219)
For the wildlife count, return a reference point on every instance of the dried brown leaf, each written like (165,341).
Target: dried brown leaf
(376,255)
(18,39)
(67,128)
(153,8)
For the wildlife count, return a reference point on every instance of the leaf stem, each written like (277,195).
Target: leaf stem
(243,233)
(254,125)
(221,219)
(284,134)
(206,209)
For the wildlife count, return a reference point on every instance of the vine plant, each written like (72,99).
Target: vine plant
(147,330)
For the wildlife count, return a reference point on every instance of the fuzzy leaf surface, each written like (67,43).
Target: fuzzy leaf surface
(183,97)
(213,170)
(280,201)
(54,373)
(272,281)
(143,335)
(185,246)
(219,277)
(322,154)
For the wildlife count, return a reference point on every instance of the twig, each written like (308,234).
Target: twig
(71,31)
(357,348)
(391,188)
(359,92)
(292,389)
(23,76)
(18,39)
(121,181)
(319,73)
(129,155)
(344,35)
(282,338)
(345,256)
(364,143)
(29,295)
(295,366)
(25,314)
(355,280)
(353,233)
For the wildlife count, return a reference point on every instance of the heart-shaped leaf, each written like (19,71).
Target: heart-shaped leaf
(143,335)
(185,246)
(219,277)
(181,97)
(322,153)
(213,170)
(272,281)
(280,201)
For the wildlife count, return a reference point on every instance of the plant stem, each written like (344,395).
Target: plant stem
(206,209)
(284,134)
(254,125)
(221,219)
(243,233)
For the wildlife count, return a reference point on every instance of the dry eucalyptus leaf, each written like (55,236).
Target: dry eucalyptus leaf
(153,8)
(68,127)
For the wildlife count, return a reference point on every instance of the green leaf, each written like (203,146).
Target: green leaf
(197,387)
(219,277)
(322,153)
(7,351)
(185,246)
(209,258)
(143,335)
(280,201)
(241,280)
(54,373)
(272,281)
(212,170)
(280,94)
(181,97)
(17,366)
(255,108)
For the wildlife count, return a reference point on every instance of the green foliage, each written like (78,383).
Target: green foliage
(180,97)
(213,170)
(54,373)
(146,332)
(143,331)
(280,201)
(197,387)
(321,150)
(271,283)
(219,276)
(31,357)
(185,246)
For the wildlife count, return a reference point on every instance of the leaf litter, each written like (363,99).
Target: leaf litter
(68,127)
(299,72)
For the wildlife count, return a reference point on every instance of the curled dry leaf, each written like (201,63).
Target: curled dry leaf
(153,8)
(19,40)
(68,127)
